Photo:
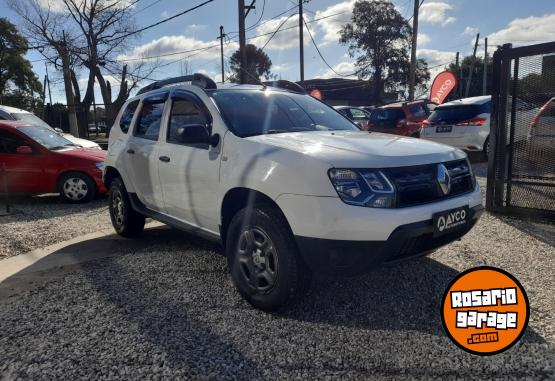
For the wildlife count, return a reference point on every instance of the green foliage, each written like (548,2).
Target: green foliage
(258,65)
(380,38)
(19,85)
(476,84)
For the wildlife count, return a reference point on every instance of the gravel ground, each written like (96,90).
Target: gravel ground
(44,220)
(168,310)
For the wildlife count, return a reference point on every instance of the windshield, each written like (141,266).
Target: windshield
(31,118)
(255,112)
(46,137)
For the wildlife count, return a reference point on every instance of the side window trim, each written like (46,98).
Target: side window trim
(195,99)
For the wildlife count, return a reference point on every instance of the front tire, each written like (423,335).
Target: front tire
(76,187)
(263,259)
(125,220)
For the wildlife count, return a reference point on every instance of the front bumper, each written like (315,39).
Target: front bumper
(355,257)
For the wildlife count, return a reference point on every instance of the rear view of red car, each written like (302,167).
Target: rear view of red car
(38,160)
(403,118)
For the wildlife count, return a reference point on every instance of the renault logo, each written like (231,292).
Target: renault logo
(444,179)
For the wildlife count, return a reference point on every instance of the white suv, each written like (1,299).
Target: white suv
(284,182)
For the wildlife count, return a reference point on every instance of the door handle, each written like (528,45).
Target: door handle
(131,151)
(164,159)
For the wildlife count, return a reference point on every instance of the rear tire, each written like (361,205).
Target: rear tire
(125,220)
(487,148)
(76,187)
(263,259)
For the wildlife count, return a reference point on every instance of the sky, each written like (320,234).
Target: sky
(446,26)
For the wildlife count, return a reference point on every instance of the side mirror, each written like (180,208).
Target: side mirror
(24,150)
(196,134)
(59,130)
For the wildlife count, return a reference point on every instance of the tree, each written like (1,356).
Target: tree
(18,83)
(91,34)
(258,65)
(379,37)
(476,84)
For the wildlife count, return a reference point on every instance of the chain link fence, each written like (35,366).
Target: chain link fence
(521,177)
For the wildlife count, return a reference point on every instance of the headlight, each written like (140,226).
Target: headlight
(363,187)
(99,166)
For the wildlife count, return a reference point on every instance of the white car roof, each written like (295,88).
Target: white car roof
(11,110)
(469,101)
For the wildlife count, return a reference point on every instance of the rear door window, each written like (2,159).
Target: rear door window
(358,114)
(418,110)
(150,117)
(127,116)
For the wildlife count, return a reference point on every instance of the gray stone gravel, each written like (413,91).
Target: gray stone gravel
(44,220)
(169,311)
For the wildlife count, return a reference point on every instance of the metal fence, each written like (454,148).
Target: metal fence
(521,171)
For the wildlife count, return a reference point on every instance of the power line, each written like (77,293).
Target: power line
(162,21)
(146,7)
(260,18)
(277,30)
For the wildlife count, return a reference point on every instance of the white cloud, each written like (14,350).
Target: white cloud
(434,58)
(284,39)
(343,68)
(525,31)
(173,44)
(332,26)
(436,13)
(423,39)
(469,31)
(59,6)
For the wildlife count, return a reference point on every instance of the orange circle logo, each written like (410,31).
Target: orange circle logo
(485,310)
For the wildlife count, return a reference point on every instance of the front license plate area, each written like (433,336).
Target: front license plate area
(444,129)
(450,220)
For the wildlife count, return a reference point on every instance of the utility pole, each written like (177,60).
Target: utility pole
(221,38)
(469,80)
(412,74)
(457,72)
(301,41)
(242,41)
(73,126)
(485,74)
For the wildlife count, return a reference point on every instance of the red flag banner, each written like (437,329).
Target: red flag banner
(443,84)
(316,94)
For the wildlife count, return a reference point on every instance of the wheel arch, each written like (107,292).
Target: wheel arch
(110,173)
(238,198)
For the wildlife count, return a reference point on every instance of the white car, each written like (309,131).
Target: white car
(285,183)
(465,123)
(12,113)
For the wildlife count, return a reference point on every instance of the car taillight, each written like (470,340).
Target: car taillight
(477,121)
(426,123)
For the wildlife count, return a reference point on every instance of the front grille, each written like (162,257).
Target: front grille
(419,185)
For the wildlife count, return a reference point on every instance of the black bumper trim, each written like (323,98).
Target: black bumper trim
(356,257)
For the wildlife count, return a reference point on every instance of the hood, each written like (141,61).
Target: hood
(93,155)
(353,149)
(82,142)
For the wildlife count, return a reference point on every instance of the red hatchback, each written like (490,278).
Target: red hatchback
(38,160)
(400,118)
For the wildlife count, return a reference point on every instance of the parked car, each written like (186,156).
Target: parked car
(401,118)
(542,131)
(465,123)
(12,113)
(355,114)
(284,182)
(99,128)
(39,160)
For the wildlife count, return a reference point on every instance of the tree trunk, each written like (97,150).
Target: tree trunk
(377,87)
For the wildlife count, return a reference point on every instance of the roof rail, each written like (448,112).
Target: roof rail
(286,85)
(197,79)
